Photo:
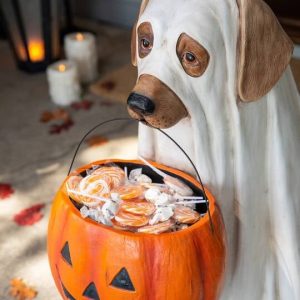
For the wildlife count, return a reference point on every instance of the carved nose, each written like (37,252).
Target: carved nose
(140,104)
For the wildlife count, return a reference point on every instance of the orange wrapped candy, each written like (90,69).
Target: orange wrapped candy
(131,220)
(186,215)
(93,186)
(73,186)
(116,175)
(158,228)
(138,208)
(130,192)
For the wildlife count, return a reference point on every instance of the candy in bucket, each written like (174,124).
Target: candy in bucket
(105,192)
(111,196)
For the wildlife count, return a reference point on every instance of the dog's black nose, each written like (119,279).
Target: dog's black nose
(140,104)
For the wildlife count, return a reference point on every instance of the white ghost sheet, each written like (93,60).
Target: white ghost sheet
(247,153)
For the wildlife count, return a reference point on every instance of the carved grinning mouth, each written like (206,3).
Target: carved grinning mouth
(66,292)
(90,292)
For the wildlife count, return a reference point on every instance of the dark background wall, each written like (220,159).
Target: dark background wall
(124,12)
(119,12)
(286,8)
(288,12)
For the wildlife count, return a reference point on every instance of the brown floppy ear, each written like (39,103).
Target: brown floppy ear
(264,49)
(133,34)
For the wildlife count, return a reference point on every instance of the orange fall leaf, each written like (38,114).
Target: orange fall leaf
(97,140)
(58,114)
(21,291)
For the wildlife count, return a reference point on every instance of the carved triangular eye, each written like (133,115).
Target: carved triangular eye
(123,281)
(65,252)
(91,292)
(67,294)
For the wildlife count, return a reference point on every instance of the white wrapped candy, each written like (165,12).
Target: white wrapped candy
(137,176)
(162,214)
(163,199)
(98,214)
(143,179)
(135,173)
(95,214)
(152,194)
(84,211)
(101,219)
(109,209)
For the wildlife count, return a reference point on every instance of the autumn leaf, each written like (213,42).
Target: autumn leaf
(21,291)
(84,104)
(58,114)
(108,85)
(29,216)
(55,129)
(5,191)
(46,117)
(58,128)
(67,124)
(96,140)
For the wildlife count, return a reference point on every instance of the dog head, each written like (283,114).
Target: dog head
(179,48)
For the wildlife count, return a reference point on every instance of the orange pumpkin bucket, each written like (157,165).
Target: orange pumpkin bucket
(89,260)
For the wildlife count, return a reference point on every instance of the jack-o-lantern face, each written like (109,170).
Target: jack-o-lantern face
(121,280)
(93,261)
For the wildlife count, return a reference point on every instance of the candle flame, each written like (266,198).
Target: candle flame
(79,36)
(36,50)
(61,68)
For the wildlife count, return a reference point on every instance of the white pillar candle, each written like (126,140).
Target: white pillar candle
(64,87)
(81,48)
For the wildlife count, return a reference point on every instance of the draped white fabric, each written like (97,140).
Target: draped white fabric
(247,154)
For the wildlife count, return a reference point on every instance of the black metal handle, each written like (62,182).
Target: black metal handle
(164,133)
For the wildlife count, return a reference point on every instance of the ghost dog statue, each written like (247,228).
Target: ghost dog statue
(216,75)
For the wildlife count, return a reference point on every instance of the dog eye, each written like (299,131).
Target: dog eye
(193,57)
(145,43)
(145,39)
(189,57)
(145,46)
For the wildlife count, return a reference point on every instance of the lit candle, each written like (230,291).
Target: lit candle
(64,87)
(36,50)
(79,36)
(81,48)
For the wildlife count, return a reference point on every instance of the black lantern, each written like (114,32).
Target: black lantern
(33,30)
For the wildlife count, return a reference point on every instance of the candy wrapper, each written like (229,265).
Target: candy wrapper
(131,201)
